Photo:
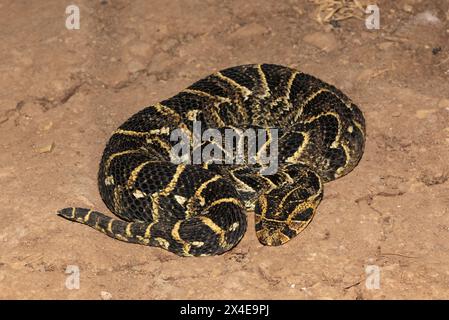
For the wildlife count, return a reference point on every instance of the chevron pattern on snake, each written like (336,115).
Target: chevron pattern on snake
(200,210)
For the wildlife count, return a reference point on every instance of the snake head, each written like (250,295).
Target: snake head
(282,213)
(271,233)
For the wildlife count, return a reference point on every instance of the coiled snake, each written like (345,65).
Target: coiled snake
(199,209)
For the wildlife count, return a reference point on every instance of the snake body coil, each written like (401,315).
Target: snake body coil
(199,209)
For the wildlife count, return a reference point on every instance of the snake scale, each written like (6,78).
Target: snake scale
(200,209)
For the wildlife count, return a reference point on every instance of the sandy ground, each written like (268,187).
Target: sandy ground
(62,93)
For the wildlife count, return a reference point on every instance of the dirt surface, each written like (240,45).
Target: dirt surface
(62,93)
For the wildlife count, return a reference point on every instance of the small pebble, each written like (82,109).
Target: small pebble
(424,113)
(385,45)
(46,149)
(106,295)
(323,41)
(443,103)
(436,50)
(134,66)
(141,49)
(407,8)
(426,18)
(249,30)
(48,126)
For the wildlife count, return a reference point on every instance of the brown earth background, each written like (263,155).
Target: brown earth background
(62,93)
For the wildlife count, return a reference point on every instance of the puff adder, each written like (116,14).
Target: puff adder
(196,210)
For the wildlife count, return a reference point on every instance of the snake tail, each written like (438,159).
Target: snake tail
(198,236)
